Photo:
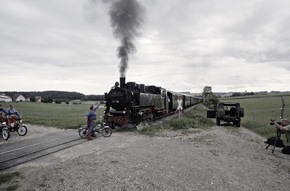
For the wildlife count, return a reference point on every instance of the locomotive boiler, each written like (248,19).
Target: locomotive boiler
(132,103)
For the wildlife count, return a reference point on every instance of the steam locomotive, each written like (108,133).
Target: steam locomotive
(132,103)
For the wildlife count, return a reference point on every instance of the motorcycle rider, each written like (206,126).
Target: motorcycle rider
(91,120)
(11,115)
(3,118)
(12,111)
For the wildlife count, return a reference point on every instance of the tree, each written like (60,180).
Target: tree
(47,99)
(32,99)
(206,91)
(210,100)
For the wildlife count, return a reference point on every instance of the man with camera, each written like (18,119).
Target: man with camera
(284,127)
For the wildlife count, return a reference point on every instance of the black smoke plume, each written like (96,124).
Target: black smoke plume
(126,19)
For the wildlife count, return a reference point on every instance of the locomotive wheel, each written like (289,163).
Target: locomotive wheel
(218,122)
(83,133)
(5,134)
(22,130)
(113,126)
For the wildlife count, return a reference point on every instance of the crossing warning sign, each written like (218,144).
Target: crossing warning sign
(179,107)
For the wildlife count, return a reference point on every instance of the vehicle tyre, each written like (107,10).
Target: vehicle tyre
(83,133)
(238,124)
(22,130)
(242,113)
(5,134)
(218,122)
(107,132)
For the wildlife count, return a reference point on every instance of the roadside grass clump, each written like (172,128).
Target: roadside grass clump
(152,130)
(181,123)
(262,128)
(191,119)
(10,179)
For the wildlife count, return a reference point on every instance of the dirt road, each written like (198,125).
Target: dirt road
(217,158)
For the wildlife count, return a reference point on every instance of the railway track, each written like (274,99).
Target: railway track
(20,152)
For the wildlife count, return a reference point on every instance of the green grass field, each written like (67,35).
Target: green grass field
(65,116)
(259,108)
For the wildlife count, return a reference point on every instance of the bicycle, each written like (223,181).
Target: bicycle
(105,130)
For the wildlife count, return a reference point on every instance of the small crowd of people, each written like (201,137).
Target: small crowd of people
(9,111)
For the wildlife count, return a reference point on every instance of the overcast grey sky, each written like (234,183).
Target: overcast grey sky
(184,45)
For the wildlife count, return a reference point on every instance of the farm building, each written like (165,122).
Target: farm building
(18,97)
(38,98)
(4,98)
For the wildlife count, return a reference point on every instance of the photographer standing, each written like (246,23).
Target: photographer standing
(284,127)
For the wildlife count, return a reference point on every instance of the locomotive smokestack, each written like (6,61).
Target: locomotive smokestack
(126,19)
(122,82)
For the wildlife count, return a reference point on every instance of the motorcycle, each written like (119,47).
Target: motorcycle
(102,128)
(16,125)
(5,133)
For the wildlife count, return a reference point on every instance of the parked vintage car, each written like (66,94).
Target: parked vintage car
(227,112)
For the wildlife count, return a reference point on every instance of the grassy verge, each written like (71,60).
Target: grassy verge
(195,118)
(9,181)
(263,129)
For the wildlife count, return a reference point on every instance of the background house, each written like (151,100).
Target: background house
(18,97)
(4,98)
(38,98)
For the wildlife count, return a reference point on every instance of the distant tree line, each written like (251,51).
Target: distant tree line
(94,98)
(56,96)
(236,94)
